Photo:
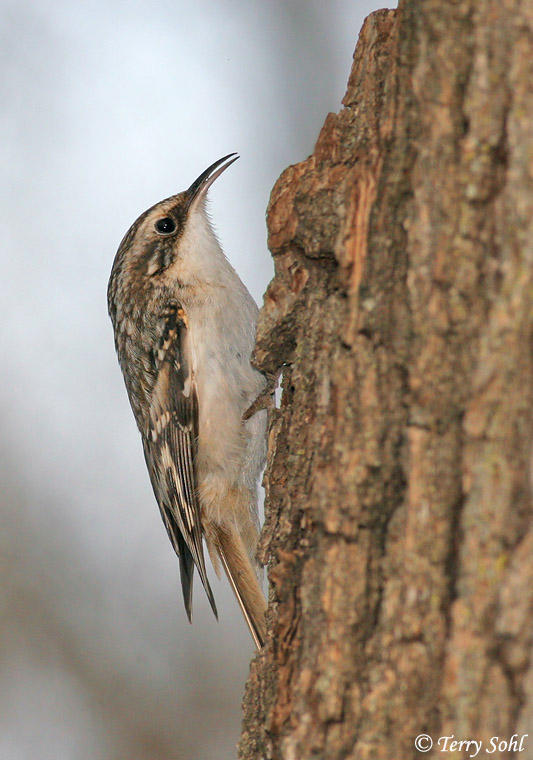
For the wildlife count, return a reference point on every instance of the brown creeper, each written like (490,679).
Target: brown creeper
(184,330)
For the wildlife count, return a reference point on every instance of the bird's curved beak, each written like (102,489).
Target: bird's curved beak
(201,185)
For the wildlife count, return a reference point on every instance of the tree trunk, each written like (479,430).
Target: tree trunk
(398,530)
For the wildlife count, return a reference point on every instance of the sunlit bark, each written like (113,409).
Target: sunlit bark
(398,531)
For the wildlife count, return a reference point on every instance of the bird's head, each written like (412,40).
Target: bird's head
(171,242)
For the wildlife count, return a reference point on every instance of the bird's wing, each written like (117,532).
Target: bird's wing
(170,441)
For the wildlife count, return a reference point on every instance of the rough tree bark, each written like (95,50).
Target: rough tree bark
(398,531)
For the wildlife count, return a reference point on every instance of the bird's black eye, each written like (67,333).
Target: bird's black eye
(165,226)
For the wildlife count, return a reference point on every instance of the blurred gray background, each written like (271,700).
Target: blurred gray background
(105,109)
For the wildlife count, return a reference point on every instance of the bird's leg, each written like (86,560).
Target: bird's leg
(265,400)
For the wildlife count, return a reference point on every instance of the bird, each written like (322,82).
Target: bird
(184,327)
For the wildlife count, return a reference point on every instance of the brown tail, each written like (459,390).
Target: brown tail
(243,580)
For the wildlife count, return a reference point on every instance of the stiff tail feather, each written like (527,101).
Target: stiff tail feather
(243,581)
